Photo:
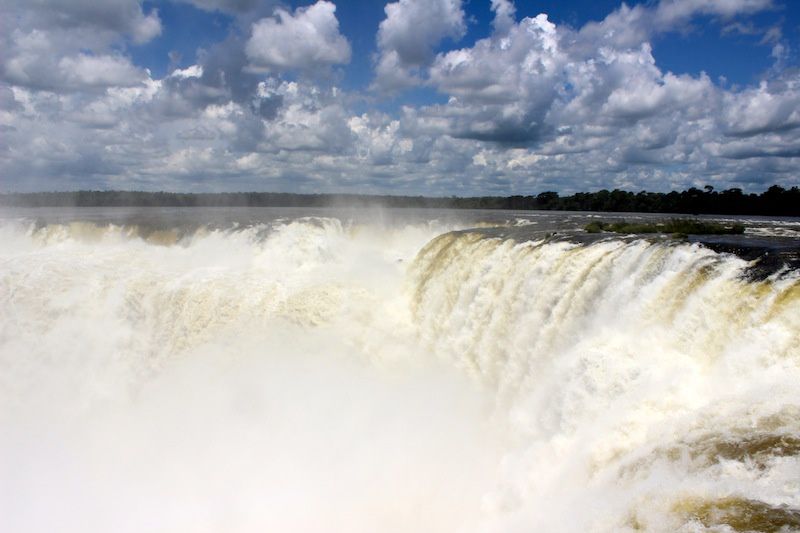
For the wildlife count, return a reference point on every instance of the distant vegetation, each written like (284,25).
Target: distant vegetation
(774,201)
(674,227)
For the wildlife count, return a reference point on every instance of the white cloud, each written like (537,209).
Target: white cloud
(499,69)
(35,61)
(413,27)
(408,35)
(305,40)
(769,108)
(534,106)
(504,85)
(504,11)
(596,101)
(671,12)
(380,141)
(110,17)
(227,6)
(147,28)
(643,91)
(99,71)
(630,26)
(537,84)
(61,45)
(391,75)
(193,71)
(309,119)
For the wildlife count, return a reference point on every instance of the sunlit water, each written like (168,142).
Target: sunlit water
(213,370)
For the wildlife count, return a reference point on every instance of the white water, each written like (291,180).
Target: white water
(317,376)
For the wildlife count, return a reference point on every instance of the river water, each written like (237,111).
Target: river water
(338,370)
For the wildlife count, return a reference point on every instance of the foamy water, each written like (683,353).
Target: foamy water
(323,374)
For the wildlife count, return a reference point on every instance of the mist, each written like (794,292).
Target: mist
(320,373)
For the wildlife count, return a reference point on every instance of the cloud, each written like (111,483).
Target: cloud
(532,106)
(630,26)
(226,6)
(308,39)
(502,87)
(598,100)
(533,83)
(99,71)
(221,75)
(504,11)
(771,107)
(118,17)
(672,12)
(60,45)
(301,117)
(408,35)
(412,28)
(34,62)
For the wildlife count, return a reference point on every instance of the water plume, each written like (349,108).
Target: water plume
(321,374)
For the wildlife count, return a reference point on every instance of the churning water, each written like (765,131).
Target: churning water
(324,371)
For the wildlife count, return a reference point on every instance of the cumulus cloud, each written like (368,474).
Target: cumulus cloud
(121,17)
(104,71)
(504,11)
(61,45)
(307,39)
(408,35)
(532,106)
(771,107)
(630,26)
(596,98)
(412,28)
(298,117)
(502,87)
(537,84)
(34,62)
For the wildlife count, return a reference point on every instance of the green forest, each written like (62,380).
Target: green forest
(774,201)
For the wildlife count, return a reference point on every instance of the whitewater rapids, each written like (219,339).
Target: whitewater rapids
(318,374)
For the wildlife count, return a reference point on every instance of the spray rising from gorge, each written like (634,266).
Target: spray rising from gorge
(319,373)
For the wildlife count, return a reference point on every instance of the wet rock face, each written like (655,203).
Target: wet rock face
(769,256)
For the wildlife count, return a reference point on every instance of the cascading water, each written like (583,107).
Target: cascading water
(310,374)
(648,386)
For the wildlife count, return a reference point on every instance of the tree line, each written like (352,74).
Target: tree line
(774,201)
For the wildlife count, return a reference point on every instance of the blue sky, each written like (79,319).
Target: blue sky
(704,46)
(413,96)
